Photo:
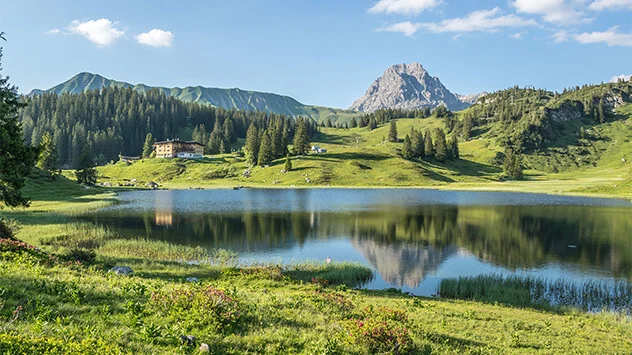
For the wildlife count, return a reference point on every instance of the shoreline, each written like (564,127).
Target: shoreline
(464,187)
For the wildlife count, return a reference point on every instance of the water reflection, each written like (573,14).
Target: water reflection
(404,244)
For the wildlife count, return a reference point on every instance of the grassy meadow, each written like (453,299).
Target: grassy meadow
(358,157)
(57,297)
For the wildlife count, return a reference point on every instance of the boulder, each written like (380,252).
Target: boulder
(204,348)
(122,270)
(193,279)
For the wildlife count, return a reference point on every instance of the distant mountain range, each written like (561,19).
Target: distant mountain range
(226,98)
(406,86)
(410,86)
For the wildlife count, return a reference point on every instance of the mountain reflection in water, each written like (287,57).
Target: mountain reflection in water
(403,241)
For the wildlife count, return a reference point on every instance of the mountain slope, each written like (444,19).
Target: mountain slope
(227,98)
(407,86)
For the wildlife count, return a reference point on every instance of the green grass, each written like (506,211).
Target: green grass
(531,292)
(53,304)
(361,158)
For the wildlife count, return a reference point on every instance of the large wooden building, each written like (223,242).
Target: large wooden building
(175,148)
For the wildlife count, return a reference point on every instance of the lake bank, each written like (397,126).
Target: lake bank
(279,311)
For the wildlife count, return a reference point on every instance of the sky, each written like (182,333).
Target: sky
(321,52)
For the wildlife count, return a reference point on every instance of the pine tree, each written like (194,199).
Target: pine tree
(407,150)
(512,166)
(252,145)
(392,132)
(301,137)
(47,159)
(428,146)
(372,124)
(223,147)
(148,146)
(16,159)
(417,143)
(229,131)
(454,148)
(354,123)
(467,128)
(288,163)
(601,113)
(86,172)
(440,145)
(266,150)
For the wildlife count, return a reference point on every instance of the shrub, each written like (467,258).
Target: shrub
(381,331)
(204,306)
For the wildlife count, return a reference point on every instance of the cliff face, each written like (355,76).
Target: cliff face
(408,86)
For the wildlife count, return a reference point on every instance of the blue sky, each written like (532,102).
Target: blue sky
(323,52)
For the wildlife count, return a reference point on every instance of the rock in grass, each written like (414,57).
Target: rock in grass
(193,279)
(122,270)
(204,348)
(188,340)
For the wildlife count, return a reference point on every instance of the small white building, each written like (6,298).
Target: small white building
(321,150)
(315,148)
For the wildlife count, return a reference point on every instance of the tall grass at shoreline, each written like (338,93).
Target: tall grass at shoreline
(525,291)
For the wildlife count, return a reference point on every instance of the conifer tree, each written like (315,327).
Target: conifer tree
(148,146)
(86,172)
(454,148)
(266,150)
(601,113)
(512,166)
(392,132)
(252,145)
(407,150)
(467,128)
(288,163)
(372,124)
(440,145)
(417,143)
(229,130)
(428,146)
(354,123)
(301,137)
(16,159)
(47,159)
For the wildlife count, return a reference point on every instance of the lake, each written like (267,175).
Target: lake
(412,238)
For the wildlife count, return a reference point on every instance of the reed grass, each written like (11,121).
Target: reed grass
(525,291)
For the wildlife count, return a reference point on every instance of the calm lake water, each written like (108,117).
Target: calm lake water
(412,238)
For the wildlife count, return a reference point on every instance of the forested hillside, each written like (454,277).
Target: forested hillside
(116,121)
(234,98)
(533,119)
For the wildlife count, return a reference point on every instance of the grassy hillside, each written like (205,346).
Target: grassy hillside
(60,299)
(359,157)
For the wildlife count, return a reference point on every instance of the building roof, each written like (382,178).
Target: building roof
(178,141)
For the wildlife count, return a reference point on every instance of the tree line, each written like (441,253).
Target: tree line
(116,121)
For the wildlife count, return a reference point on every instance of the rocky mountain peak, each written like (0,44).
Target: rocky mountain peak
(407,86)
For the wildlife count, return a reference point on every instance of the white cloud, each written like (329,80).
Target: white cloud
(53,32)
(156,38)
(480,21)
(623,76)
(407,28)
(102,31)
(610,37)
(477,21)
(517,35)
(560,36)
(553,11)
(403,7)
(600,5)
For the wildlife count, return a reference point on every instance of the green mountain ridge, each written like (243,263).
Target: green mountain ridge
(231,98)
